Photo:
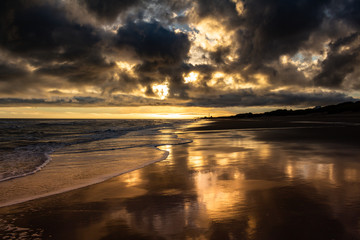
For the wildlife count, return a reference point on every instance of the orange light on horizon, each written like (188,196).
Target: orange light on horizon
(139,112)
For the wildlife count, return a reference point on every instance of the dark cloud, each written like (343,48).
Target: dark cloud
(344,41)
(44,47)
(130,100)
(153,43)
(219,55)
(219,8)
(268,29)
(108,10)
(348,10)
(14,78)
(244,98)
(87,100)
(12,101)
(276,27)
(336,67)
(9,72)
(77,100)
(125,83)
(119,100)
(43,32)
(86,71)
(161,51)
(248,98)
(340,62)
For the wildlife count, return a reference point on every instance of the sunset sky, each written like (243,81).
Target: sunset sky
(175,58)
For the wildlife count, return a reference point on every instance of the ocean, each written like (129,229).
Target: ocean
(39,157)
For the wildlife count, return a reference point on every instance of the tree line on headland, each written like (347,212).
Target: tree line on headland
(346,107)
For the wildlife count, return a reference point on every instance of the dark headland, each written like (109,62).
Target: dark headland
(347,112)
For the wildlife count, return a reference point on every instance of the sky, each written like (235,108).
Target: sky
(175,58)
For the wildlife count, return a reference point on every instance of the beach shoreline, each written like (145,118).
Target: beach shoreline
(290,182)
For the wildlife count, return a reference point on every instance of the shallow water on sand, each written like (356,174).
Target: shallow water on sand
(43,157)
(289,183)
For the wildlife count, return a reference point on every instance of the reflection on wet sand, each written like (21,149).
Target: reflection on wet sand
(235,184)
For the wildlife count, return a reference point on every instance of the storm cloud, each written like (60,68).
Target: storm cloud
(108,10)
(246,98)
(154,43)
(214,53)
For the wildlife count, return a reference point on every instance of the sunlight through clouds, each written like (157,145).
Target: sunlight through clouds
(162,90)
(176,53)
(191,77)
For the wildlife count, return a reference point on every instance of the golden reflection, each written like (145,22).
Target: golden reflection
(289,170)
(167,148)
(225,159)
(220,200)
(264,151)
(311,170)
(196,161)
(221,193)
(222,159)
(325,171)
(251,229)
(132,178)
(351,175)
(233,181)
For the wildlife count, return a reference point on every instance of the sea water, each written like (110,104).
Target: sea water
(44,157)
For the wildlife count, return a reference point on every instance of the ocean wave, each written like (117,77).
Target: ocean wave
(27,149)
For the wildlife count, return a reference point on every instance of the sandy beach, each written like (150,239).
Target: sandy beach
(238,179)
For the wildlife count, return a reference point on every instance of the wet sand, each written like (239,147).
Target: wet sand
(238,179)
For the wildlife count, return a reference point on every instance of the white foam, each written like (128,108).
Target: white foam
(85,163)
(38,168)
(25,191)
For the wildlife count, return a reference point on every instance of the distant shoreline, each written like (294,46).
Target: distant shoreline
(345,108)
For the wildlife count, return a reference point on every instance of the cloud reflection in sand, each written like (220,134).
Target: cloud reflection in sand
(236,184)
(226,183)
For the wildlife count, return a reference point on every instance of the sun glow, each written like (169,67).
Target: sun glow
(262,79)
(162,90)
(209,34)
(125,66)
(218,75)
(138,112)
(239,6)
(284,59)
(212,34)
(191,77)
